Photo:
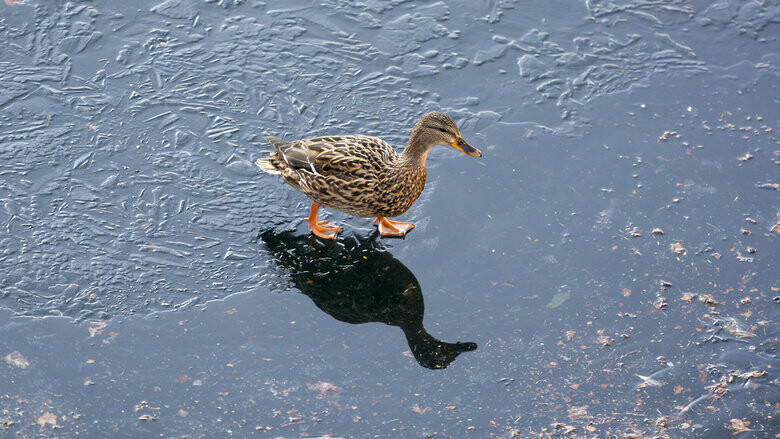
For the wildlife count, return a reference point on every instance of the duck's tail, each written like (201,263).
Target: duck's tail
(266,165)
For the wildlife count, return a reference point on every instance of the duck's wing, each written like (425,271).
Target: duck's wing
(340,156)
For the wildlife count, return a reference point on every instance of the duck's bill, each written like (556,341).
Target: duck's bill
(465,148)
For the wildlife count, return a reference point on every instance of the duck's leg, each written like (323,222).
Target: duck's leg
(323,229)
(392,228)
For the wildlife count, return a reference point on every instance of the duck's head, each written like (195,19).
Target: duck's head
(439,129)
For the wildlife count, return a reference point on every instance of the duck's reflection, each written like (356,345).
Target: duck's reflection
(355,281)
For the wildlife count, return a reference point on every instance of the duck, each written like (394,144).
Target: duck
(362,175)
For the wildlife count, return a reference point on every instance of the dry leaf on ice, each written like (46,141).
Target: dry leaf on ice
(16,359)
(738,426)
(48,418)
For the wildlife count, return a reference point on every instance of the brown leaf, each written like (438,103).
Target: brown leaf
(738,426)
(16,359)
(745,157)
(418,409)
(708,299)
(604,341)
(96,328)
(47,418)
(678,389)
(658,231)
(677,248)
(753,374)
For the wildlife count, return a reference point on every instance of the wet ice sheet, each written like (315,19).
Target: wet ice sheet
(127,135)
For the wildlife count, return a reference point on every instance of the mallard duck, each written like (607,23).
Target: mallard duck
(362,175)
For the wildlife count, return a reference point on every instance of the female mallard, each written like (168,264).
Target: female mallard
(362,175)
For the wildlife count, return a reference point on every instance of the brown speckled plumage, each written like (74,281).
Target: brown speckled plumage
(362,175)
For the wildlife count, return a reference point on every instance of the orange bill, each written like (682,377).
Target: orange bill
(465,148)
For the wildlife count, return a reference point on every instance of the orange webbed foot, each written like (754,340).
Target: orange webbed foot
(393,228)
(323,229)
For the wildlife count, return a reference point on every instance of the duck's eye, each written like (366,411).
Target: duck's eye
(443,130)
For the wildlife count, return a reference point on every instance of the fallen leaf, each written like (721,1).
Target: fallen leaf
(736,328)
(47,418)
(418,409)
(16,359)
(658,231)
(558,299)
(604,340)
(677,248)
(738,426)
(753,374)
(96,328)
(745,157)
(147,418)
(708,299)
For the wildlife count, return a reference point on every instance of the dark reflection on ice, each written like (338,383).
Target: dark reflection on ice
(356,281)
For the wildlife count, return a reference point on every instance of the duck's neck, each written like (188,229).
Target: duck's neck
(416,150)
